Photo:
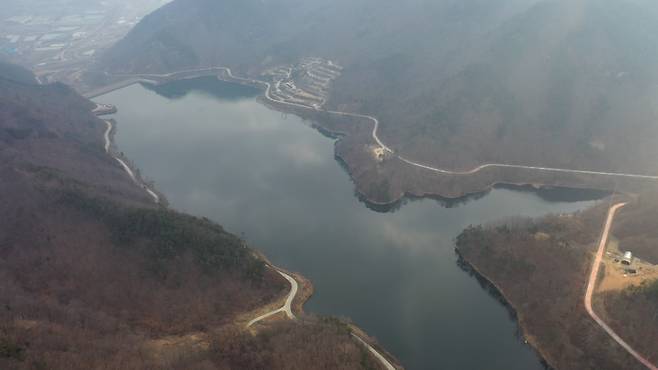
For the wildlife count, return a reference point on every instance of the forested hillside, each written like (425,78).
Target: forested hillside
(541,267)
(15,73)
(559,83)
(94,275)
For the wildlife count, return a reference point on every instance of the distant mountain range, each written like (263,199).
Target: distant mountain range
(455,83)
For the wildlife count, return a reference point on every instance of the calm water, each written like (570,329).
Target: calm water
(216,152)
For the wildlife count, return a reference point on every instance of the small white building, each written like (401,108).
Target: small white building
(627,259)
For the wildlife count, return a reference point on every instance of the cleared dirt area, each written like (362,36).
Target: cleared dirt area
(541,267)
(618,276)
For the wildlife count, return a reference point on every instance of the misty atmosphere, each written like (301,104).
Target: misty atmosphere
(363,184)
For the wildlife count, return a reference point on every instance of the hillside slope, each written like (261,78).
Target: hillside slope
(93,275)
(455,84)
(541,268)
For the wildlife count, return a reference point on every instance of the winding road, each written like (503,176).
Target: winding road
(268,96)
(375,131)
(378,356)
(596,266)
(287,306)
(123,164)
(475,170)
(294,286)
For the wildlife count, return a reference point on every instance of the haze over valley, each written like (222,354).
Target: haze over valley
(363,184)
(455,84)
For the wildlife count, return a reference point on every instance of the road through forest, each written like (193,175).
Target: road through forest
(294,286)
(287,306)
(596,266)
(108,143)
(375,131)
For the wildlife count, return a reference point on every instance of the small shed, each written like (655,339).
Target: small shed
(627,259)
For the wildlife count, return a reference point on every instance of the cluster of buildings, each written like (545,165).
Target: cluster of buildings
(62,36)
(306,83)
(38,38)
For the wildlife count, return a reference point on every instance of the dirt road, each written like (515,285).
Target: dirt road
(596,266)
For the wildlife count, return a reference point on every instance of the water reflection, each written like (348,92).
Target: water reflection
(204,85)
(550,194)
(276,180)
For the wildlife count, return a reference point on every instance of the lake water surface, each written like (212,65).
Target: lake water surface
(214,151)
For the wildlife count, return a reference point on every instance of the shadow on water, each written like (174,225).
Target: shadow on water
(558,193)
(407,199)
(396,275)
(550,194)
(493,291)
(547,193)
(211,86)
(208,85)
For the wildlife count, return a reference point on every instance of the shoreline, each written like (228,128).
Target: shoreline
(133,174)
(496,292)
(400,199)
(294,301)
(303,294)
(407,192)
(449,202)
(388,206)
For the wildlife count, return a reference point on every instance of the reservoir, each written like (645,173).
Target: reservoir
(213,150)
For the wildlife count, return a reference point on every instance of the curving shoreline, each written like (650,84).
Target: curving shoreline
(379,142)
(292,295)
(483,182)
(375,135)
(375,353)
(591,285)
(294,286)
(126,168)
(495,291)
(287,308)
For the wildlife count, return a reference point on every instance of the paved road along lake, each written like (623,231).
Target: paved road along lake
(215,151)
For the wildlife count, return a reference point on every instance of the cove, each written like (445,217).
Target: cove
(213,150)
